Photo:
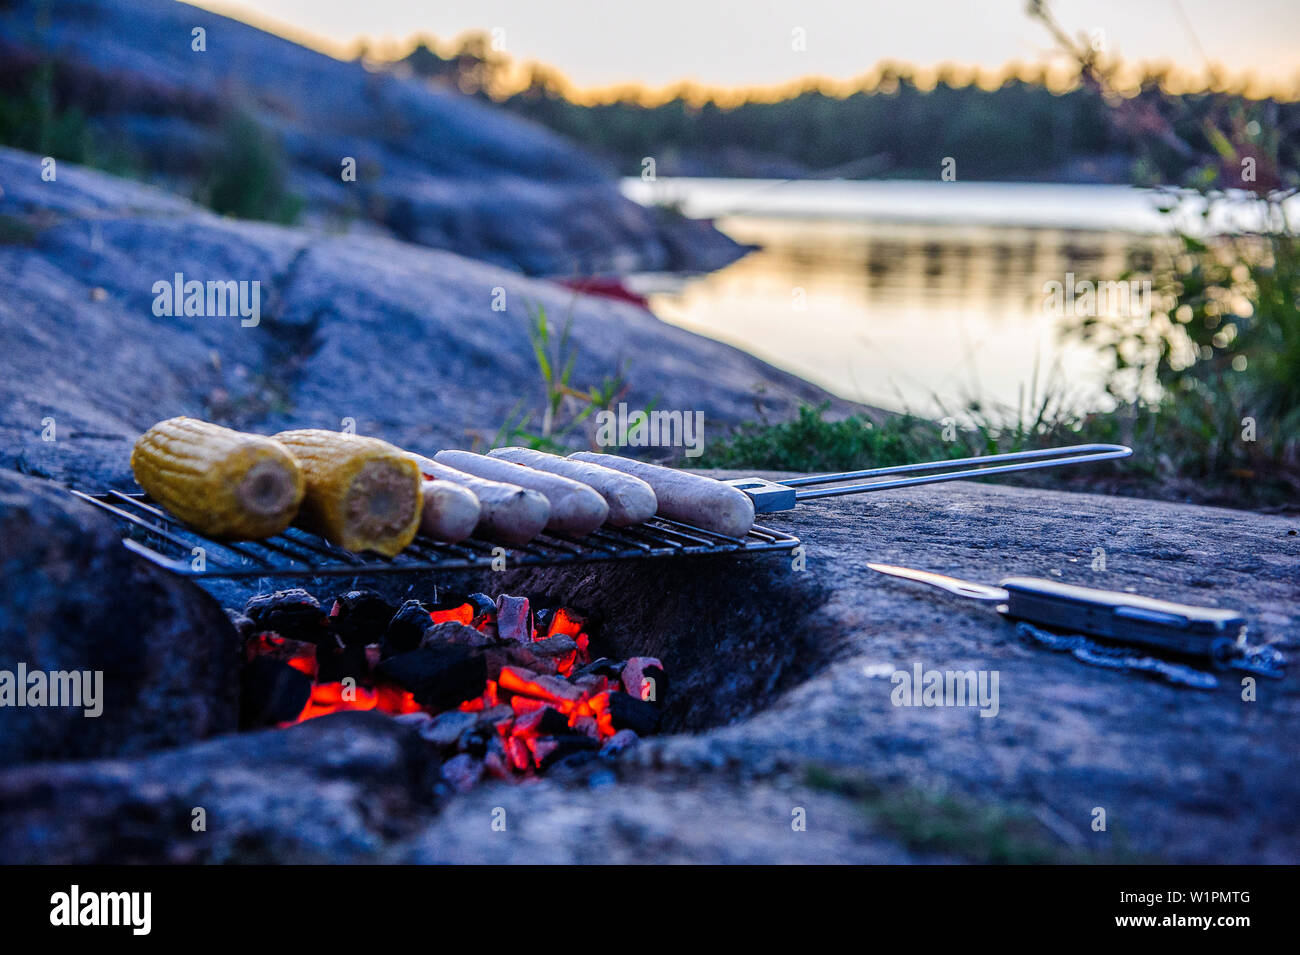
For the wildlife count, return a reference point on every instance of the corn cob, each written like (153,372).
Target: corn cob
(222,482)
(362,493)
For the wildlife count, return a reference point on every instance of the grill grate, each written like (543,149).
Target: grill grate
(166,541)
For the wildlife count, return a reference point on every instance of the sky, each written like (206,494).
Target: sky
(731,44)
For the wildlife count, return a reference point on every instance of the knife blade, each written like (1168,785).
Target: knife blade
(1211,632)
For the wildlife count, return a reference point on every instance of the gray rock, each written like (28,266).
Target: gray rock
(402,340)
(75,600)
(337,788)
(434,167)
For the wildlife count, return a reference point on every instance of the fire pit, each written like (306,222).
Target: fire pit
(499,687)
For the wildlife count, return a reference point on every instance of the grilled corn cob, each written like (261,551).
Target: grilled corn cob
(362,493)
(222,482)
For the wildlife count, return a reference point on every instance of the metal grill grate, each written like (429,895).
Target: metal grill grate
(157,536)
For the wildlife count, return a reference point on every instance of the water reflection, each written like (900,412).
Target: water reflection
(916,315)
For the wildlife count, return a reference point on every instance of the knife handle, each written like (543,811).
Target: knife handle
(1123,617)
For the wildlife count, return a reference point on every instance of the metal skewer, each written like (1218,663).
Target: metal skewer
(771,496)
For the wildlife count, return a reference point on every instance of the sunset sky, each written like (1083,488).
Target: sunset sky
(601,43)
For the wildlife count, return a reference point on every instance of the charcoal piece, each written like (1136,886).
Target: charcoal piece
(552,749)
(546,721)
(601,666)
(359,617)
(620,742)
(514,621)
(556,646)
(281,648)
(462,772)
(453,632)
(406,629)
(542,618)
(629,713)
(447,727)
(440,677)
(271,692)
(477,740)
(644,678)
(484,606)
(335,663)
(294,614)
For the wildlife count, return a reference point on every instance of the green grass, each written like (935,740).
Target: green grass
(1179,449)
(945,824)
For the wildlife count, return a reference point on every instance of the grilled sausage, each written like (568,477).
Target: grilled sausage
(630,499)
(450,512)
(575,508)
(689,498)
(507,512)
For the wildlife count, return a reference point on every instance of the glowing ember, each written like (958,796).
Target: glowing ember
(530,699)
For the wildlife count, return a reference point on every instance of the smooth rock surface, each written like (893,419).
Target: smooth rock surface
(401,340)
(72,598)
(433,167)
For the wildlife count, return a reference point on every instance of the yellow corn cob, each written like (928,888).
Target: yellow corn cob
(362,493)
(221,482)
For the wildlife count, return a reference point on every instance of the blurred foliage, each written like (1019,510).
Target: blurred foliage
(1021,130)
(247,174)
(41,111)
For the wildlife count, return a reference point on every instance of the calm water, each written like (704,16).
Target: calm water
(911,295)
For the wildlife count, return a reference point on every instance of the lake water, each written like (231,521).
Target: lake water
(905,294)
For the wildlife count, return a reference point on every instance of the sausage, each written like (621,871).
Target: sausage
(575,508)
(630,499)
(507,512)
(689,498)
(450,512)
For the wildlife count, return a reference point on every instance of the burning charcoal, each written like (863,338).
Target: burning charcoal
(484,607)
(514,622)
(552,647)
(644,679)
(359,617)
(462,772)
(549,688)
(591,685)
(456,612)
(271,692)
(546,721)
(299,654)
(565,621)
(627,712)
(446,728)
(542,618)
(518,754)
(441,677)
(587,726)
(602,666)
(294,614)
(406,629)
(516,656)
(619,742)
(456,633)
(552,749)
